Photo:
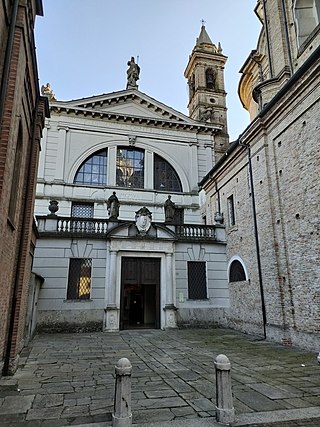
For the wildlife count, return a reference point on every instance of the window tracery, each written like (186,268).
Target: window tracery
(130,167)
(165,177)
(93,170)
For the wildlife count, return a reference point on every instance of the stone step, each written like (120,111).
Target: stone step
(194,422)
(270,418)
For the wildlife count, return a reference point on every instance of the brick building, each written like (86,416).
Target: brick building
(22,112)
(267,183)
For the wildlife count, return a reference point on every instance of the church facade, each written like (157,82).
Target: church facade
(266,187)
(123,242)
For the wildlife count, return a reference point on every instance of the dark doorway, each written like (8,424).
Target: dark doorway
(140,293)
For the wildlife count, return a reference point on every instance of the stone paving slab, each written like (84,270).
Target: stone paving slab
(16,404)
(68,379)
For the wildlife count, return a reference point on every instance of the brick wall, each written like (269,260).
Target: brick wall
(22,120)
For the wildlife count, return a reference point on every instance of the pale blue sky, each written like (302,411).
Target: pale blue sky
(83,46)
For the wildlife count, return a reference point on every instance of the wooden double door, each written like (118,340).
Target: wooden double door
(140,293)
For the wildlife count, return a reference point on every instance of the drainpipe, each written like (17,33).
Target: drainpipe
(266,26)
(7,59)
(256,236)
(285,24)
(218,194)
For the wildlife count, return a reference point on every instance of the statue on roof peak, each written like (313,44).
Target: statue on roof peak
(133,73)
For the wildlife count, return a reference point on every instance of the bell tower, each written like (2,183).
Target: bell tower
(207,96)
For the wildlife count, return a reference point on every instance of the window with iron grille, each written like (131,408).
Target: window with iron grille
(165,177)
(237,273)
(82,210)
(231,214)
(93,170)
(130,167)
(197,280)
(79,278)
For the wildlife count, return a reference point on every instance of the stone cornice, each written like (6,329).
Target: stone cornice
(137,120)
(119,99)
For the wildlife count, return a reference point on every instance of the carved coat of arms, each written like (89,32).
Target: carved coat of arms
(143,220)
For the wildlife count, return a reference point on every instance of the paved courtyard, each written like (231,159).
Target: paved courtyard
(68,379)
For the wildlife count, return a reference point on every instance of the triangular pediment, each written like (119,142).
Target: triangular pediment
(130,102)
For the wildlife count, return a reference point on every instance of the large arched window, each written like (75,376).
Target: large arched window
(130,167)
(307,17)
(93,170)
(236,271)
(165,177)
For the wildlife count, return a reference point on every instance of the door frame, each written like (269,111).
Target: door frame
(139,260)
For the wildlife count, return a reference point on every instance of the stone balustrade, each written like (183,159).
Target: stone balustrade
(99,227)
(195,231)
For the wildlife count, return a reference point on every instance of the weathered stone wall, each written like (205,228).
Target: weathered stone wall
(285,163)
(293,168)
(80,320)
(245,298)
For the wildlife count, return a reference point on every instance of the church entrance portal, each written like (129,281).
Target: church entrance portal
(140,293)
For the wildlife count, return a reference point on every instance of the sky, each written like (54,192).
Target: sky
(83,47)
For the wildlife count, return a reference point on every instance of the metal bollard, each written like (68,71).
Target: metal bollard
(122,416)
(224,407)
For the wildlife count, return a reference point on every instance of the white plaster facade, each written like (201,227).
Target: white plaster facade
(128,119)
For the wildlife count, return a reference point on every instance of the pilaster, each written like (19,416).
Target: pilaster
(61,149)
(148,170)
(112,158)
(112,312)
(170,309)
